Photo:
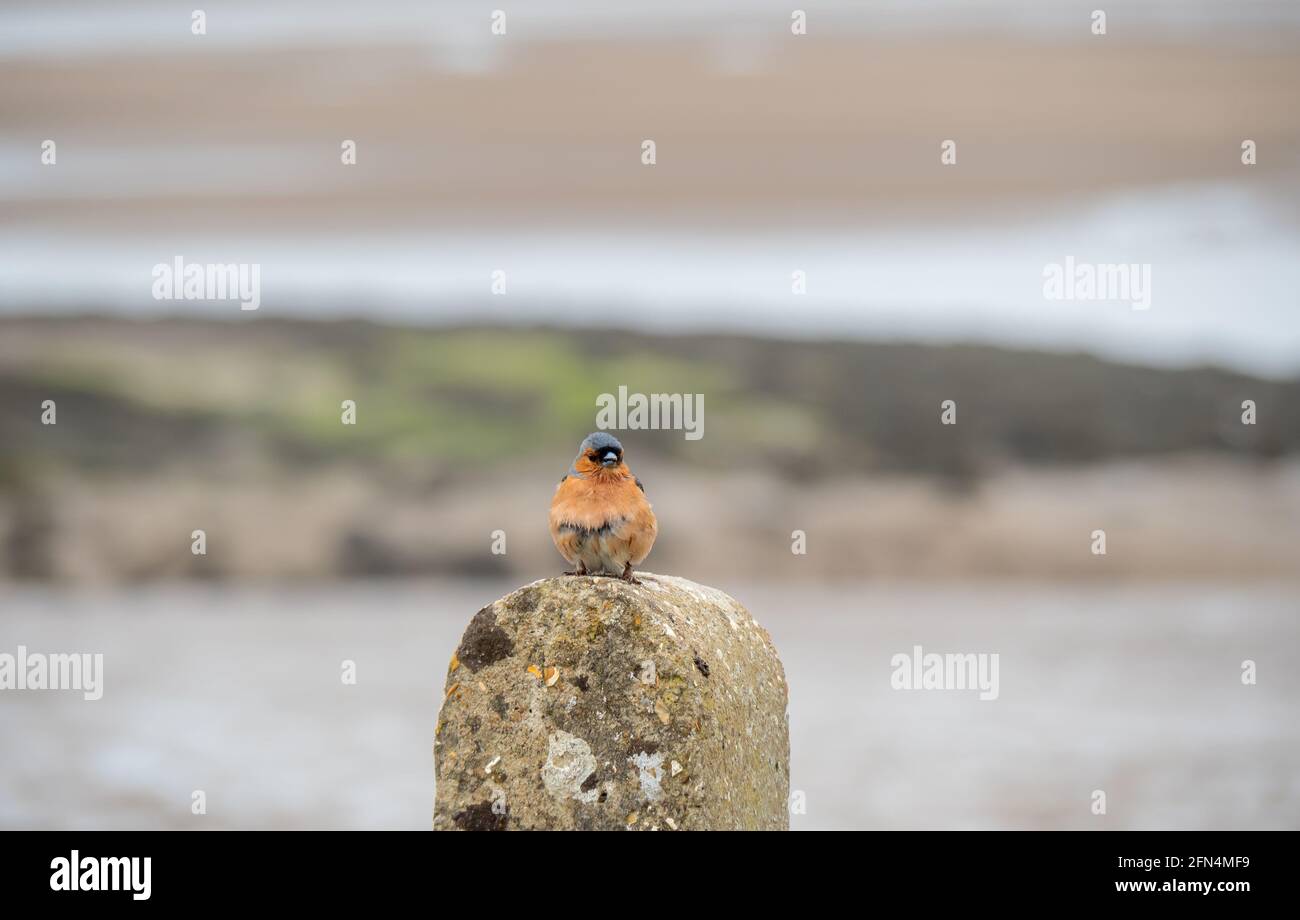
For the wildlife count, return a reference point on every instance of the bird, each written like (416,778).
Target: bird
(600,519)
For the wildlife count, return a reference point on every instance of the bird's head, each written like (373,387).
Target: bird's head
(599,451)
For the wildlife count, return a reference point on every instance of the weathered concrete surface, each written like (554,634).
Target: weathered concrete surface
(590,703)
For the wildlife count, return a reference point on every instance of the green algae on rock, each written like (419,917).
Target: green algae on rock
(590,703)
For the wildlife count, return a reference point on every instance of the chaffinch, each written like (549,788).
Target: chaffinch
(600,519)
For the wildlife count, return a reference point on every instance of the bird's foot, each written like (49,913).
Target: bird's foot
(628,577)
(581,570)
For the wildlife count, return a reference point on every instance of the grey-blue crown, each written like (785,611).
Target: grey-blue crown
(600,440)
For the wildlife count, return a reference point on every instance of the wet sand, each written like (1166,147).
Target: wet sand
(785,133)
(1135,691)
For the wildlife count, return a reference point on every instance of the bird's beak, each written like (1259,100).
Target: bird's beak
(610,459)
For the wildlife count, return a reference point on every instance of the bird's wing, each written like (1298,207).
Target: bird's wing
(567,542)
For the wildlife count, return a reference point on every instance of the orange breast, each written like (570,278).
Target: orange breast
(597,502)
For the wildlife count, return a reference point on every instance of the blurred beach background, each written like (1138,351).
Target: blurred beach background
(775,153)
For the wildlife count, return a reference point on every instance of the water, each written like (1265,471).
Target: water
(84,27)
(1132,690)
(1222,278)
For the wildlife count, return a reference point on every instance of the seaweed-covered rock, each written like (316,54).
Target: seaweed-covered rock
(590,703)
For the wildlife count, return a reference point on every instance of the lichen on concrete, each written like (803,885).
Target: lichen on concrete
(591,703)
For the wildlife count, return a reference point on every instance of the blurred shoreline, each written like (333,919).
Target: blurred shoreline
(169,426)
(820,156)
